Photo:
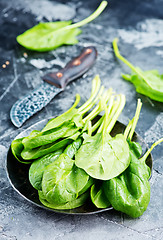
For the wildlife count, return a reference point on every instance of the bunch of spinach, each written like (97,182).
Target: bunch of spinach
(51,35)
(148,83)
(85,161)
(63,182)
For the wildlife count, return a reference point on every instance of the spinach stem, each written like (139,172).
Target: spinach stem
(117,111)
(92,104)
(99,107)
(118,55)
(94,15)
(98,123)
(95,89)
(89,128)
(135,119)
(128,128)
(109,107)
(150,149)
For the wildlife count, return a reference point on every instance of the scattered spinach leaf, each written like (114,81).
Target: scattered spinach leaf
(51,35)
(148,83)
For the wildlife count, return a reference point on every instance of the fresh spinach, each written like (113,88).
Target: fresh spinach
(37,168)
(148,83)
(130,191)
(98,195)
(77,202)
(62,181)
(17,147)
(72,166)
(51,35)
(102,156)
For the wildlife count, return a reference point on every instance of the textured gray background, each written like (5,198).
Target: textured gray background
(139,26)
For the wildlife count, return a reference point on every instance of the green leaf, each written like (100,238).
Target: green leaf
(65,130)
(29,154)
(69,205)
(103,157)
(51,35)
(62,181)
(148,83)
(38,166)
(17,147)
(130,192)
(48,36)
(98,196)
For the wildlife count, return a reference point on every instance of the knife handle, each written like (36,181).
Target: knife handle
(73,69)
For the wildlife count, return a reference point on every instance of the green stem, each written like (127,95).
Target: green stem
(109,107)
(128,128)
(119,107)
(95,89)
(98,123)
(94,15)
(89,128)
(150,149)
(92,104)
(118,55)
(99,108)
(135,119)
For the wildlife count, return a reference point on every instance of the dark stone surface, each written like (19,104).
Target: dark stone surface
(139,27)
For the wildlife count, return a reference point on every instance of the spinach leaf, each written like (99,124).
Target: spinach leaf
(103,157)
(98,196)
(68,205)
(64,131)
(148,83)
(62,181)
(130,192)
(51,35)
(37,168)
(17,147)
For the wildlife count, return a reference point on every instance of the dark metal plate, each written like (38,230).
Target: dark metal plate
(18,173)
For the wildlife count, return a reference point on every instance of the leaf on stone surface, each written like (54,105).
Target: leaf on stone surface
(148,83)
(51,35)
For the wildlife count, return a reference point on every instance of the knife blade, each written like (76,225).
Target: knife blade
(53,83)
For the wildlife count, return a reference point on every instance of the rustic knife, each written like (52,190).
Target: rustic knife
(53,84)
